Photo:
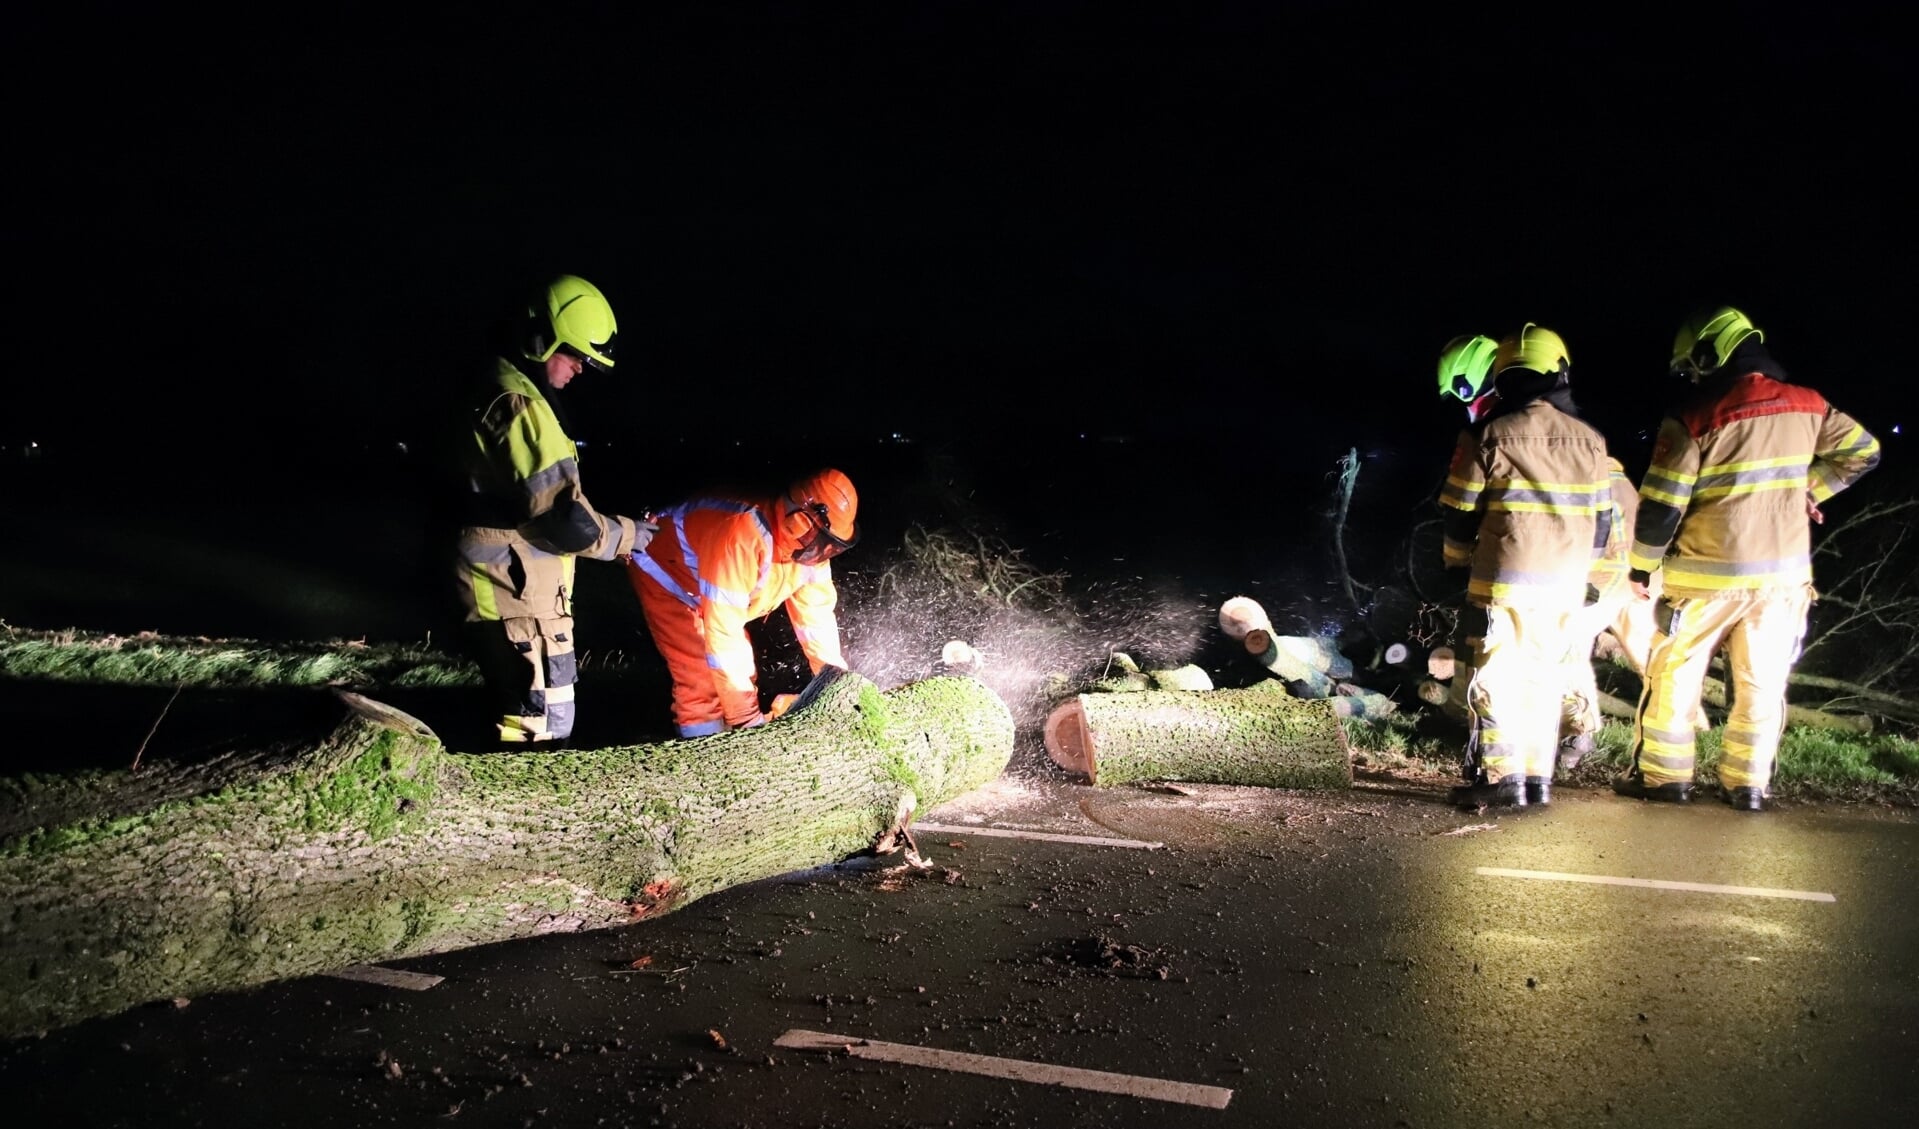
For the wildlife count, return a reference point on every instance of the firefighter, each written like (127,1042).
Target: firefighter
(527,518)
(1465,373)
(722,561)
(1527,507)
(1727,505)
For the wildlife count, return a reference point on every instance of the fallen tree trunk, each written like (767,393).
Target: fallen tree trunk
(375,843)
(1714,694)
(1260,736)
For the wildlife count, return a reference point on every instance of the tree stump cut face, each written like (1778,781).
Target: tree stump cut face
(1070,743)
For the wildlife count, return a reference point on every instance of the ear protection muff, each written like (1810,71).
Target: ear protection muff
(535,331)
(803,516)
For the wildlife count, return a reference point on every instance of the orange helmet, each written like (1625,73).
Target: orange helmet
(820,516)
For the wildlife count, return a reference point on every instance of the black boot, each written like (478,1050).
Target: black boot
(1634,785)
(1508,793)
(1539,790)
(1744,799)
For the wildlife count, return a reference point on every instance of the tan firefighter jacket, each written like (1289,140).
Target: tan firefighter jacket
(1724,503)
(528,517)
(1527,503)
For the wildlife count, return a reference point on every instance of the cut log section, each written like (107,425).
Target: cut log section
(375,843)
(1259,736)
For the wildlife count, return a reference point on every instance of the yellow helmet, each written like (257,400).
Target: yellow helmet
(1534,348)
(571,314)
(1707,339)
(1466,367)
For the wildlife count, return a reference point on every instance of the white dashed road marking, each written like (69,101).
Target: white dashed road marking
(1019,1070)
(1658,884)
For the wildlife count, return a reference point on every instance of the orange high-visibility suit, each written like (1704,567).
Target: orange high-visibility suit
(715,565)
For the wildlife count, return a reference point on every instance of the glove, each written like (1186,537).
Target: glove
(1592,595)
(643,530)
(781,703)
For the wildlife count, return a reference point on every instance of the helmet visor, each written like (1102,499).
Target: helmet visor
(821,546)
(603,348)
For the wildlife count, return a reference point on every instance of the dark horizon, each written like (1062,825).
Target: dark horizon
(938,220)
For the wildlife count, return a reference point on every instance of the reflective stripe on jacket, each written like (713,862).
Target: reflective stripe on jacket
(1723,505)
(524,473)
(527,516)
(716,556)
(1528,504)
(1609,571)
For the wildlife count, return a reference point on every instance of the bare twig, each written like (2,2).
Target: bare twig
(156,727)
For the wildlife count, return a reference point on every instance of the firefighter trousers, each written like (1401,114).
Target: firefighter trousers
(1579,716)
(1518,689)
(519,622)
(530,671)
(1762,637)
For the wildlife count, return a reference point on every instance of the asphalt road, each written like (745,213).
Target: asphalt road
(1332,958)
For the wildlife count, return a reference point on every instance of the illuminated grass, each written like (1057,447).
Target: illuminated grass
(156,660)
(1401,743)
(1813,763)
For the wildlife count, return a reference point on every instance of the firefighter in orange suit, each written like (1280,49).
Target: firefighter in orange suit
(1527,506)
(719,562)
(1726,512)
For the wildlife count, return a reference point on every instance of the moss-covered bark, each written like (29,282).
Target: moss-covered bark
(1260,735)
(375,843)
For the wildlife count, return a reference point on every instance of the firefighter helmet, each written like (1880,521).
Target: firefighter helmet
(571,315)
(1707,339)
(1466,367)
(821,512)
(1536,349)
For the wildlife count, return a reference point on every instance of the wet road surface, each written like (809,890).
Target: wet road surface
(1349,958)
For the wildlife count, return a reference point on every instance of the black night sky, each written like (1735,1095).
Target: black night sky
(932,218)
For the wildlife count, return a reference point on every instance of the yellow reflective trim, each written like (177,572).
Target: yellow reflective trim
(1468,486)
(1677,476)
(1587,510)
(1752,464)
(1857,433)
(1678,576)
(486,601)
(1675,500)
(1562,487)
(1750,488)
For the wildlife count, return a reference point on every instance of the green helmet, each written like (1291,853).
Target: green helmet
(1705,343)
(576,319)
(1534,348)
(1465,367)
